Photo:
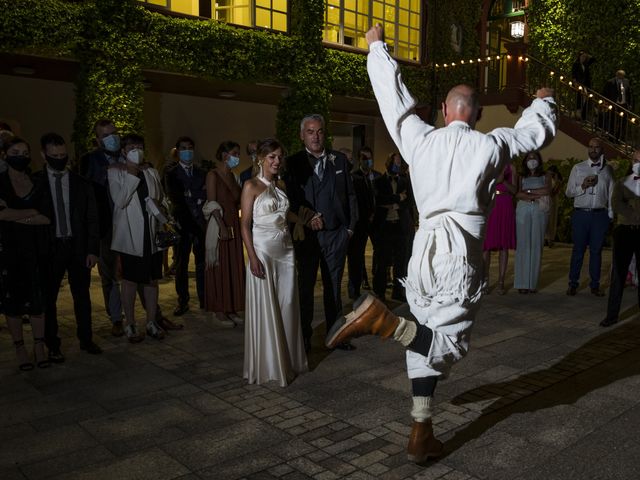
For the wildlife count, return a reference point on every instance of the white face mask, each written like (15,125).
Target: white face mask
(636,169)
(532,164)
(135,156)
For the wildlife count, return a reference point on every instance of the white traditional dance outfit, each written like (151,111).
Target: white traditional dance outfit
(453,174)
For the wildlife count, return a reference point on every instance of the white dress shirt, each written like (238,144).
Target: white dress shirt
(598,196)
(65,199)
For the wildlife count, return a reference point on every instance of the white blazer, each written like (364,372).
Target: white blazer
(128,221)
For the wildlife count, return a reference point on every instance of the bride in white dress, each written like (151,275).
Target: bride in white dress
(273,346)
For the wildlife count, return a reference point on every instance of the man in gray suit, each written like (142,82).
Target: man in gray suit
(321,194)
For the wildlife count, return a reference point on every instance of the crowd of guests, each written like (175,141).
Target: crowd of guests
(316,209)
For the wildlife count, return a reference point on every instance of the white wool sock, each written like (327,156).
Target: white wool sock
(405,331)
(421,411)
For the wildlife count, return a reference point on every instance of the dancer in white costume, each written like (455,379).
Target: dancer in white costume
(453,174)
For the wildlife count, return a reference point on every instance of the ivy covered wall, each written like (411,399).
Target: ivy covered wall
(609,30)
(115,40)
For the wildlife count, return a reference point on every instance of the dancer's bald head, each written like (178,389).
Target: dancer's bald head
(461,104)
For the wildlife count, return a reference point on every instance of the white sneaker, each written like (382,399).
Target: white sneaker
(154,330)
(131,331)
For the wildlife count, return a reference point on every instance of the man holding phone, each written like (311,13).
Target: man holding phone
(590,185)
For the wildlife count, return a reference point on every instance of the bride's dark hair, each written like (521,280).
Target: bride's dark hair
(266,146)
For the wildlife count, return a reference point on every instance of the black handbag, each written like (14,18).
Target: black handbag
(168,237)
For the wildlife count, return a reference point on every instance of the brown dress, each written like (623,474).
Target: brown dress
(224,284)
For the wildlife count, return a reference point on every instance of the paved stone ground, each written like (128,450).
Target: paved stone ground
(544,394)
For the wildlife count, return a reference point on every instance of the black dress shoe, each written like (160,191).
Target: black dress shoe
(597,292)
(56,356)
(571,291)
(607,322)
(346,346)
(90,347)
(181,310)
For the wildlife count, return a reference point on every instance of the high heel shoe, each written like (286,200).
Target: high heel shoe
(42,361)
(21,353)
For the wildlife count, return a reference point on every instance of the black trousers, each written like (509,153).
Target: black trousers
(389,249)
(327,250)
(66,259)
(355,258)
(626,242)
(189,241)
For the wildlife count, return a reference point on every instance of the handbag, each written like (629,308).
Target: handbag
(167,237)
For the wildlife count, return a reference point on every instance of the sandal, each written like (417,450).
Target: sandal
(21,353)
(38,352)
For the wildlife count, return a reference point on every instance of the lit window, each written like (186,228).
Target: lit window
(347,21)
(271,14)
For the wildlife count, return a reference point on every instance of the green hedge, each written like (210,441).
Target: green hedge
(115,40)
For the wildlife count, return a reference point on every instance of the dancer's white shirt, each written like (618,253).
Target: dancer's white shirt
(453,174)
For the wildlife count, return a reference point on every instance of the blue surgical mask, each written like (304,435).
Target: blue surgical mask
(394,168)
(232,162)
(111,142)
(186,156)
(368,163)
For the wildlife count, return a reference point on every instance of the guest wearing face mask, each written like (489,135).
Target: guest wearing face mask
(137,194)
(93,167)
(224,273)
(532,212)
(24,221)
(363,178)
(76,242)
(389,224)
(185,183)
(625,202)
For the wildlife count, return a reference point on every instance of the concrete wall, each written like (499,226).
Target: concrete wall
(34,107)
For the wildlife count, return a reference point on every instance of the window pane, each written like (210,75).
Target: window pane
(415,20)
(279,21)
(403,34)
(378,10)
(263,18)
(333,16)
(280,5)
(263,3)
(403,17)
(350,5)
(390,14)
(349,20)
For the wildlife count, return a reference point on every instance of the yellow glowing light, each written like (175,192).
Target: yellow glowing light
(497,57)
(610,107)
(552,73)
(508,57)
(526,59)
(591,95)
(561,77)
(520,58)
(621,114)
(462,62)
(479,60)
(471,61)
(488,58)
(633,120)
(445,65)
(599,102)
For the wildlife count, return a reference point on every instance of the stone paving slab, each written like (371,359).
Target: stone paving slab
(543,394)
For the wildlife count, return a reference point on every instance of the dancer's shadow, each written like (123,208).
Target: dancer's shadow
(624,339)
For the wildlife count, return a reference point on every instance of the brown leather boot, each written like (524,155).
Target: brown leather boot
(369,317)
(422,443)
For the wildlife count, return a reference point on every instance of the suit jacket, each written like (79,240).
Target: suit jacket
(85,229)
(582,75)
(93,167)
(612,91)
(365,194)
(187,195)
(246,175)
(385,196)
(336,182)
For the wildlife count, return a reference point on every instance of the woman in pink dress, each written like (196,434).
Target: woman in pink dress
(501,227)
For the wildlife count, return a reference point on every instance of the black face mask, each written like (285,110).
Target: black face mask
(18,162)
(58,164)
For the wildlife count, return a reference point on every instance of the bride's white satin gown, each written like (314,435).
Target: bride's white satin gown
(273,346)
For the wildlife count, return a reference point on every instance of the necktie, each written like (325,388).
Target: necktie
(319,167)
(62,215)
(636,178)
(595,164)
(189,171)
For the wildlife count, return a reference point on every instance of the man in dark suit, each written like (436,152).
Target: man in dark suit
(390,223)
(363,178)
(581,73)
(618,90)
(76,236)
(186,189)
(321,194)
(93,166)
